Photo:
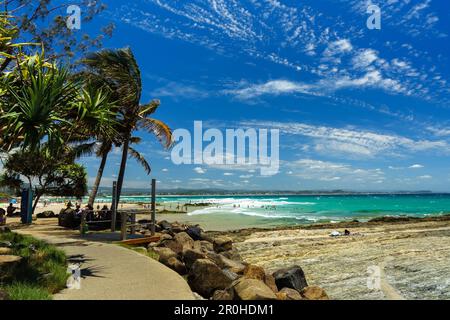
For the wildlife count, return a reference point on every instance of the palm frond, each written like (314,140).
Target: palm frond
(139,158)
(84,149)
(135,140)
(148,109)
(119,69)
(159,129)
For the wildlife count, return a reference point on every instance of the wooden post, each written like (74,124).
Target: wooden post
(83,222)
(153,207)
(123,229)
(114,207)
(133,223)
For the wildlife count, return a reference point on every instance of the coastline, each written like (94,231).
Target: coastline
(398,247)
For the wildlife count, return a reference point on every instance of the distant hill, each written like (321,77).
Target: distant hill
(184,191)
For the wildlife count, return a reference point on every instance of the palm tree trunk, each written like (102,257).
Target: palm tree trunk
(36,201)
(98,179)
(123,165)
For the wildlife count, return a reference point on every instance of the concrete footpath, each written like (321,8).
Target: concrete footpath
(108,271)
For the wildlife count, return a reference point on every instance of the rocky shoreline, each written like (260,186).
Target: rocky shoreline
(397,246)
(241,234)
(215,270)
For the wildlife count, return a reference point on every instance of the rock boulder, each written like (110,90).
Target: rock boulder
(225,263)
(192,255)
(288,294)
(253,289)
(223,295)
(176,265)
(4,251)
(269,280)
(195,232)
(205,277)
(254,272)
(184,240)
(222,243)
(314,293)
(292,277)
(164,253)
(174,245)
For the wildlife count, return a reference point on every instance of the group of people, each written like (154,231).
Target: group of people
(100,213)
(9,212)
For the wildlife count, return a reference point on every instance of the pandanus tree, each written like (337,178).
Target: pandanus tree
(43,104)
(47,114)
(119,71)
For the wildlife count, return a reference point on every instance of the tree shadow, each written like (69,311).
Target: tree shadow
(91,272)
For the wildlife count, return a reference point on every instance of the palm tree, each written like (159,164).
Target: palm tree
(119,71)
(43,107)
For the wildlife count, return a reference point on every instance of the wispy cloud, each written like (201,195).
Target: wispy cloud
(289,35)
(179,90)
(352,141)
(318,170)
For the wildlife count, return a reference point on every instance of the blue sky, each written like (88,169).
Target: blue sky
(356,108)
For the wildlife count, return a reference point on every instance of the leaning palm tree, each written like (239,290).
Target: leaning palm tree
(102,151)
(119,71)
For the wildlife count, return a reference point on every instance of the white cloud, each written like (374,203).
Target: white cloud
(165,170)
(318,170)
(273,87)
(440,132)
(228,174)
(427,176)
(178,90)
(371,79)
(199,170)
(364,58)
(416,166)
(352,141)
(338,47)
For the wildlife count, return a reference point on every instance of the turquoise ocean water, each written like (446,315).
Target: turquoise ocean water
(310,209)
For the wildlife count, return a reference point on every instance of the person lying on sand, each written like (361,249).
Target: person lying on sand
(345,233)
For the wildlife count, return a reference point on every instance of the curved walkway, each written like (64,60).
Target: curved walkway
(108,271)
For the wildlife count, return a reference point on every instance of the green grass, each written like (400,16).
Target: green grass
(25,291)
(42,271)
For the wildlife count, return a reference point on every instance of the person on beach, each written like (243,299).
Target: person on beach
(10,210)
(78,211)
(2,217)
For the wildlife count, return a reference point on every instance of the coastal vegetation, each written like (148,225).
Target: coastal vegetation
(52,111)
(38,270)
